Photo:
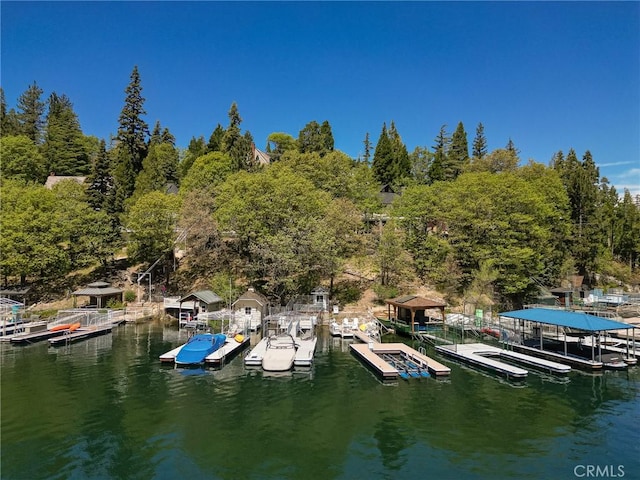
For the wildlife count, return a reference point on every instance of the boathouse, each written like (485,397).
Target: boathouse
(411,312)
(99,293)
(568,335)
(201,301)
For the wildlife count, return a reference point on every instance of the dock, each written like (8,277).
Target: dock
(305,352)
(572,360)
(373,353)
(226,352)
(80,334)
(32,337)
(255,356)
(474,354)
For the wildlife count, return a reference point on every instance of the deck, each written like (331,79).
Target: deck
(574,361)
(255,356)
(474,354)
(227,351)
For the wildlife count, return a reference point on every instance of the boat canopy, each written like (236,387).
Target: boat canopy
(562,318)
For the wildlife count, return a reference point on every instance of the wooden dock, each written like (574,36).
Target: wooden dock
(578,362)
(372,351)
(473,354)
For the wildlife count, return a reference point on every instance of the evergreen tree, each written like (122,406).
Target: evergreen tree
(236,145)
(326,137)
(167,137)
(215,140)
(401,166)
(439,169)
(367,149)
(512,148)
(479,142)
(64,148)
(133,130)
(383,158)
(101,181)
(159,168)
(156,135)
(30,113)
(197,147)
(459,151)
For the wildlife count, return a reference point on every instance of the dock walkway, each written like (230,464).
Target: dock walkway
(305,352)
(473,353)
(80,334)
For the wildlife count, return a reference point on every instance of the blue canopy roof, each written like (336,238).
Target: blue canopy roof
(562,318)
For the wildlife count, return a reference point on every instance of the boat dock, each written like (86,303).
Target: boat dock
(255,356)
(80,334)
(377,355)
(217,358)
(305,352)
(572,360)
(484,351)
(474,354)
(227,351)
(36,336)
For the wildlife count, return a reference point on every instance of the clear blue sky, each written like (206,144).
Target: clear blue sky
(550,76)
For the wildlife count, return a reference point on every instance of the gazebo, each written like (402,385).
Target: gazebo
(410,310)
(99,293)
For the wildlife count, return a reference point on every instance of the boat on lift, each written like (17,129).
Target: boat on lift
(199,347)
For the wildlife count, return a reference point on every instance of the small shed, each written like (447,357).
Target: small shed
(99,293)
(202,301)
(250,308)
(320,297)
(411,310)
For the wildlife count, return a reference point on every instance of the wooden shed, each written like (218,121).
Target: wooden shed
(99,293)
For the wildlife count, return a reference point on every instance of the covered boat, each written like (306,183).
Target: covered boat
(198,347)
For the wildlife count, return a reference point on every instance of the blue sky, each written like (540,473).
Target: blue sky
(550,76)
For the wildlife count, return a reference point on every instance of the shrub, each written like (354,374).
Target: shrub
(384,292)
(130,296)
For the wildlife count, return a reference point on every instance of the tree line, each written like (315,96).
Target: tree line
(475,224)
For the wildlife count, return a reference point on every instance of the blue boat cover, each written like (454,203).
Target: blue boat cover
(562,318)
(198,347)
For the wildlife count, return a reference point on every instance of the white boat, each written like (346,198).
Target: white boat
(280,353)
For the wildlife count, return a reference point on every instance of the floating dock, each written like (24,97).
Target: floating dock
(305,351)
(255,356)
(80,334)
(470,351)
(572,360)
(217,358)
(375,354)
(474,354)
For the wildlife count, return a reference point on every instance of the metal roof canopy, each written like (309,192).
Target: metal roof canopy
(562,318)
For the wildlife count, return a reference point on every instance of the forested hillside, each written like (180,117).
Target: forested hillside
(480,226)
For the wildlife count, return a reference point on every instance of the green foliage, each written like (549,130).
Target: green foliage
(130,296)
(346,292)
(391,162)
(279,143)
(500,160)
(65,148)
(21,160)
(459,151)
(316,138)
(385,292)
(215,140)
(101,184)
(151,224)
(207,172)
(159,169)
(479,142)
(236,145)
(30,113)
(133,130)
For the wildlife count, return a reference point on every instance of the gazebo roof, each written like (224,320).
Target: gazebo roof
(252,295)
(414,302)
(97,291)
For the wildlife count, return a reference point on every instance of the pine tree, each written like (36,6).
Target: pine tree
(64,148)
(383,158)
(133,130)
(479,142)
(237,146)
(439,169)
(367,149)
(215,140)
(156,135)
(401,166)
(197,147)
(101,181)
(31,112)
(459,151)
(326,138)
(512,148)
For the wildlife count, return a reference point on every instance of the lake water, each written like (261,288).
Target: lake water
(106,408)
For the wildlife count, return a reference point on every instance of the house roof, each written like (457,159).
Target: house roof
(415,303)
(205,296)
(319,289)
(263,158)
(252,295)
(562,318)
(53,179)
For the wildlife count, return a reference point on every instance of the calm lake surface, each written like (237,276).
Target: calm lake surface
(106,408)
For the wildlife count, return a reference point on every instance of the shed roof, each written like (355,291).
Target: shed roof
(414,302)
(97,291)
(205,296)
(562,318)
(252,295)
